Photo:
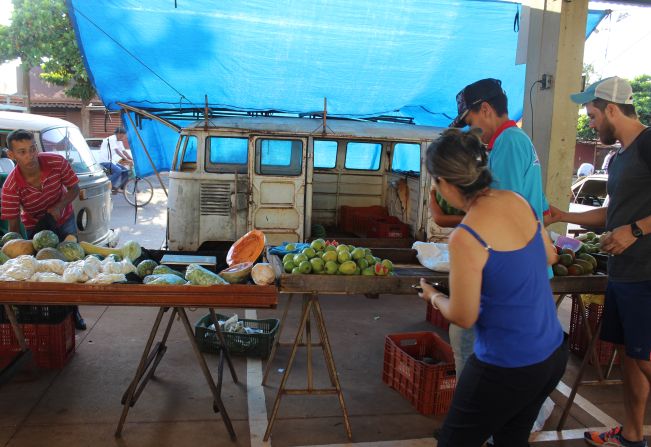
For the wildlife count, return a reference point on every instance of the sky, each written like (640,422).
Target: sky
(619,46)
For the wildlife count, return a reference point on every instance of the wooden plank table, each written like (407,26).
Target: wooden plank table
(176,298)
(407,272)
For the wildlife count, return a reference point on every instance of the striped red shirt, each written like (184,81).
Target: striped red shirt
(56,177)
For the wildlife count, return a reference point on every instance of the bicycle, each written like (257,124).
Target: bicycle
(138,191)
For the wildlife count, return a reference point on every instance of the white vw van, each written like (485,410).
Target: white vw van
(281,175)
(93,207)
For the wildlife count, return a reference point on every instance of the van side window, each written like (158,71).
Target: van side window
(363,156)
(278,157)
(187,158)
(226,154)
(325,154)
(406,158)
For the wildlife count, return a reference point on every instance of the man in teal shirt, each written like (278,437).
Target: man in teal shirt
(512,160)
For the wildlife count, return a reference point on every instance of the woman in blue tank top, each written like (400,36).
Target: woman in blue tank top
(498,282)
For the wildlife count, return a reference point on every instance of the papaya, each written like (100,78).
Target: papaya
(237,273)
(248,248)
(16,247)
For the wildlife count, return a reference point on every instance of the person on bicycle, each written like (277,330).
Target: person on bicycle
(116,159)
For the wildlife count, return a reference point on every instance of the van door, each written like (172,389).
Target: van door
(277,179)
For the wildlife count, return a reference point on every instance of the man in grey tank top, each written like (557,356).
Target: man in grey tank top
(627,219)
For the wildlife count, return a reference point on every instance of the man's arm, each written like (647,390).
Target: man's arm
(56,209)
(591,218)
(14,225)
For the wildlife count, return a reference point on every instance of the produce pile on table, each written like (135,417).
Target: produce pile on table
(46,259)
(331,258)
(580,261)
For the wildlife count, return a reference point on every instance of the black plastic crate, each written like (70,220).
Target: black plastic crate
(255,345)
(29,314)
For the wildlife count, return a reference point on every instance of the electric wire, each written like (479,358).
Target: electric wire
(531,103)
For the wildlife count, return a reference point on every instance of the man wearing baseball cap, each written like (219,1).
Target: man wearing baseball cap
(512,160)
(627,219)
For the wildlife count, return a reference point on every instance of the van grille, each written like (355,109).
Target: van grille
(215,199)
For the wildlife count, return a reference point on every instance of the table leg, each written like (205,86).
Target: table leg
(224,348)
(311,304)
(216,391)
(330,362)
(23,357)
(139,372)
(155,356)
(274,348)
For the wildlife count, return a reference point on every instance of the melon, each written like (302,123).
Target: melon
(263,274)
(9,237)
(237,273)
(49,253)
(45,239)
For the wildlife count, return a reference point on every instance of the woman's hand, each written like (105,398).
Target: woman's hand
(429,294)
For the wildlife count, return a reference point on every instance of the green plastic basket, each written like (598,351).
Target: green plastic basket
(255,345)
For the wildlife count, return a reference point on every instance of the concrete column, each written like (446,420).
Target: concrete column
(555,47)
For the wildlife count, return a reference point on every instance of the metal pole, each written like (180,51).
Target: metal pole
(144,147)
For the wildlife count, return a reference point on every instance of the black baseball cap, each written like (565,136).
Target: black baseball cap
(473,94)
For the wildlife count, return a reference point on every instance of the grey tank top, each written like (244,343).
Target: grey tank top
(629,191)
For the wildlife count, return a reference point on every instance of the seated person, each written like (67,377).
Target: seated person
(116,159)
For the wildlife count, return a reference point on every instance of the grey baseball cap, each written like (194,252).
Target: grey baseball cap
(613,89)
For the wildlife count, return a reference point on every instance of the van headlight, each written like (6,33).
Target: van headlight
(82,219)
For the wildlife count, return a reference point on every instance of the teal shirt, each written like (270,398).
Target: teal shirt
(515,166)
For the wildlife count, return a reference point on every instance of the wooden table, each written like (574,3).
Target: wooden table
(176,298)
(407,272)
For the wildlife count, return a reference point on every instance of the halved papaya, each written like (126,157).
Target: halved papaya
(247,248)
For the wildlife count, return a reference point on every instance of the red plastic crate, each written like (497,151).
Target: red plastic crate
(435,317)
(354,219)
(52,345)
(429,387)
(578,339)
(389,226)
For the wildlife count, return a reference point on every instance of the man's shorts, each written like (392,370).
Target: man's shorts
(627,317)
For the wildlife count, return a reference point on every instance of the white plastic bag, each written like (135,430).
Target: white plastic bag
(543,415)
(51,266)
(107,278)
(20,268)
(46,277)
(433,255)
(74,272)
(125,266)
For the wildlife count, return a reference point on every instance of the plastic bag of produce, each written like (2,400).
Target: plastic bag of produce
(46,277)
(107,278)
(433,255)
(166,279)
(74,272)
(19,269)
(200,276)
(125,266)
(51,266)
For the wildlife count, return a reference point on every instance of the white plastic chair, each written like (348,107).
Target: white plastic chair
(6,165)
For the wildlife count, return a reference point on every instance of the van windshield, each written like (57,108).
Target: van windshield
(69,143)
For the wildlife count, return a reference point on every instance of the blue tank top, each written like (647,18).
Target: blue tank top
(517,324)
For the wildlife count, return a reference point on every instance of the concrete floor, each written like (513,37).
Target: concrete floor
(80,404)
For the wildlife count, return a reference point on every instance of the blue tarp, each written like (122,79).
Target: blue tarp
(366,57)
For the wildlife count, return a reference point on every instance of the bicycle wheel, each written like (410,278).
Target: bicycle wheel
(138,191)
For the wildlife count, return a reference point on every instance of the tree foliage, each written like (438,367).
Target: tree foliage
(41,34)
(642,97)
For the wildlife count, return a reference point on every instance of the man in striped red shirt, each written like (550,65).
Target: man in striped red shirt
(39,189)
(40,184)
